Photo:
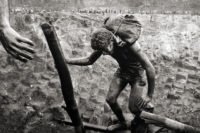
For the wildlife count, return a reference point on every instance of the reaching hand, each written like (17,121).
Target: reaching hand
(16,45)
(144,103)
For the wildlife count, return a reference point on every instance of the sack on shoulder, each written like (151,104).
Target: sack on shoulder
(127,27)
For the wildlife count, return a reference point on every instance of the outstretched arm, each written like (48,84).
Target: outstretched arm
(14,43)
(150,71)
(85,60)
(4,14)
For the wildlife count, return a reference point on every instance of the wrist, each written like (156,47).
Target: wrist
(67,61)
(150,95)
(5,23)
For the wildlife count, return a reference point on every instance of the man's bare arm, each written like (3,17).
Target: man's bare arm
(13,42)
(150,71)
(4,14)
(85,60)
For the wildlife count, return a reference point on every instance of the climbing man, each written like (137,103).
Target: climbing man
(117,38)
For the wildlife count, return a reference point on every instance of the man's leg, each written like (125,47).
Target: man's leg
(116,86)
(136,104)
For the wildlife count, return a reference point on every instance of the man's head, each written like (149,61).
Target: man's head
(103,39)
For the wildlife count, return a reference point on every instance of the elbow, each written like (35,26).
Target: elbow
(89,63)
(86,63)
(151,72)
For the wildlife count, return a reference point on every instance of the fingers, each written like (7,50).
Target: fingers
(25,40)
(19,46)
(140,103)
(16,56)
(20,53)
(143,104)
(13,44)
(6,45)
(21,59)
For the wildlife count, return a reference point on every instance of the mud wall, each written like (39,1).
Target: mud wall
(157,6)
(30,95)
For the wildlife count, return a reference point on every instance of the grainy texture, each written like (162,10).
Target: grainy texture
(142,6)
(30,95)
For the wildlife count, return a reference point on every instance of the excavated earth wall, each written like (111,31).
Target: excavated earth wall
(30,94)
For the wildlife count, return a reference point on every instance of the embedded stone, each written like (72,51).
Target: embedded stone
(85,117)
(82,104)
(189,87)
(179,92)
(54,84)
(197,95)
(168,86)
(50,100)
(193,81)
(181,75)
(39,67)
(102,92)
(198,87)
(196,53)
(50,66)
(193,76)
(45,77)
(101,99)
(93,99)
(189,66)
(38,95)
(173,96)
(85,95)
(195,57)
(170,79)
(57,113)
(178,85)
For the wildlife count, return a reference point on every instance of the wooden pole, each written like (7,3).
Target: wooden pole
(167,123)
(64,75)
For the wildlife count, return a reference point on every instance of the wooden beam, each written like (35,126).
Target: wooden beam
(64,75)
(167,123)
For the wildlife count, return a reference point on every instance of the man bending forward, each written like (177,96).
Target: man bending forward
(132,62)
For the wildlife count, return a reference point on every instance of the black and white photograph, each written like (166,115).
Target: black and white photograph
(99,66)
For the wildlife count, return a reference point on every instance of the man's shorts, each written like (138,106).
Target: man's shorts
(130,76)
